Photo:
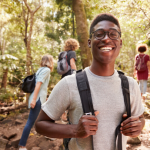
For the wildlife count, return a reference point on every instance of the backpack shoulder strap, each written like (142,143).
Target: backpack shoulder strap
(143,58)
(126,92)
(65,54)
(62,55)
(85,95)
(84,91)
(126,95)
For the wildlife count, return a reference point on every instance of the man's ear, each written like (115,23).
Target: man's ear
(89,43)
(120,43)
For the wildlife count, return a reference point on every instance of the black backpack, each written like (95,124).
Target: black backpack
(28,83)
(87,105)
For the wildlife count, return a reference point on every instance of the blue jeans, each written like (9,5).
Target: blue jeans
(143,86)
(30,122)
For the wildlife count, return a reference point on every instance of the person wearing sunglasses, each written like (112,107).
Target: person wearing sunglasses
(106,91)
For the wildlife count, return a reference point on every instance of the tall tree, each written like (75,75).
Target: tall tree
(3,23)
(82,31)
(28,40)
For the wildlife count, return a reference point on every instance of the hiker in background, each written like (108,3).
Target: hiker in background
(37,97)
(141,68)
(106,93)
(70,46)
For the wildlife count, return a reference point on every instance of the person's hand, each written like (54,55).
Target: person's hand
(33,103)
(88,125)
(131,127)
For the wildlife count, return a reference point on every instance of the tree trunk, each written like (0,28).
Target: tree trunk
(28,55)
(73,25)
(5,71)
(82,31)
(29,58)
(4,79)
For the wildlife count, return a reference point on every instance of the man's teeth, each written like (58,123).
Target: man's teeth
(106,48)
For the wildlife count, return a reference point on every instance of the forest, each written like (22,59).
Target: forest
(31,28)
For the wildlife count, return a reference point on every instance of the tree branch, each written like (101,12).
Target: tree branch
(25,1)
(12,108)
(36,9)
(142,11)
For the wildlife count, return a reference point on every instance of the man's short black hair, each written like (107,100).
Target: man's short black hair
(102,17)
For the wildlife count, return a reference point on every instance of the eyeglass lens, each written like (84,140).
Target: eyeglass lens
(100,34)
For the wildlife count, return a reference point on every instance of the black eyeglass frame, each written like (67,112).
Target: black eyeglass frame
(105,34)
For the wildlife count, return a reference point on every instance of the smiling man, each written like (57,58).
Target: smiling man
(105,84)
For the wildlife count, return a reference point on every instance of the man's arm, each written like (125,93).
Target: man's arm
(132,126)
(87,126)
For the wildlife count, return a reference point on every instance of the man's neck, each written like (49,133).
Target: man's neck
(102,69)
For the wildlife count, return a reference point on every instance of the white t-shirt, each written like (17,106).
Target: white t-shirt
(107,98)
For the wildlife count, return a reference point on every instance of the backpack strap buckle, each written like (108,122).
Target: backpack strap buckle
(89,113)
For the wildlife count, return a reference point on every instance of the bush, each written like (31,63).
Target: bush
(5,95)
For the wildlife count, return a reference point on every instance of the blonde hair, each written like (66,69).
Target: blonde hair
(71,44)
(141,48)
(47,61)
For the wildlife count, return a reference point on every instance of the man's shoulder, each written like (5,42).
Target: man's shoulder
(132,82)
(70,78)
(68,82)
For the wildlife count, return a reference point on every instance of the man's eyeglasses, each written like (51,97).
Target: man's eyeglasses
(112,34)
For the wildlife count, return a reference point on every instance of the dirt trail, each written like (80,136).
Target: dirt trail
(11,129)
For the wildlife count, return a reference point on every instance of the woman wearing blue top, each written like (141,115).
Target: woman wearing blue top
(37,97)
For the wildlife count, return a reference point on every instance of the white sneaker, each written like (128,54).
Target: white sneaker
(22,148)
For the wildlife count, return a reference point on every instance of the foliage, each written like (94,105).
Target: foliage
(55,22)
(147,42)
(5,95)
(60,25)
(17,74)
(8,61)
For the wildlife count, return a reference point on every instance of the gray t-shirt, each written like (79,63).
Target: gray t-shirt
(107,98)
